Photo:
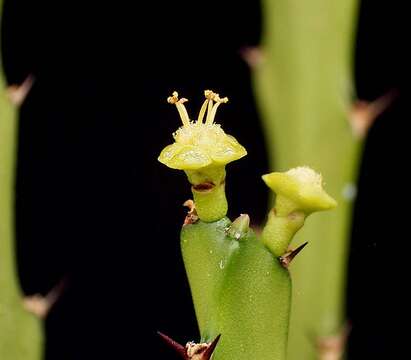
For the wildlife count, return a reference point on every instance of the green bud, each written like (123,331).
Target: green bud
(299,193)
(239,227)
(299,189)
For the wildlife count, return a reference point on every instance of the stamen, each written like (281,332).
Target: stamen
(173,99)
(210,107)
(215,107)
(179,103)
(202,111)
(210,95)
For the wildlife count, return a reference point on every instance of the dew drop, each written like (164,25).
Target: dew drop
(349,191)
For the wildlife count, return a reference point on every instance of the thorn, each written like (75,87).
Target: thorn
(252,55)
(178,348)
(363,113)
(192,350)
(211,347)
(17,93)
(36,304)
(192,216)
(332,347)
(40,305)
(286,259)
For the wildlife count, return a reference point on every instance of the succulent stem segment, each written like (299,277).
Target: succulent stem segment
(21,335)
(202,149)
(241,286)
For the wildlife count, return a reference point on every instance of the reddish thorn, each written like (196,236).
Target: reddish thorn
(178,348)
(192,216)
(286,259)
(211,347)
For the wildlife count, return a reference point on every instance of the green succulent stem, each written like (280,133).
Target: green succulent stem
(208,188)
(20,331)
(206,248)
(240,287)
(280,230)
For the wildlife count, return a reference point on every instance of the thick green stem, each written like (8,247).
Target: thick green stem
(20,332)
(254,306)
(205,250)
(8,279)
(240,290)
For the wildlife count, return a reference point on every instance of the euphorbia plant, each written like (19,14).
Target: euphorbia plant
(240,284)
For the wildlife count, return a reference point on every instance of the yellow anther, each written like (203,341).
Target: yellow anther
(208,106)
(180,107)
(200,144)
(209,94)
(173,99)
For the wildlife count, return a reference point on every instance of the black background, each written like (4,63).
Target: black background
(95,208)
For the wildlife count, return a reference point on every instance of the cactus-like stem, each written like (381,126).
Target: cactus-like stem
(20,331)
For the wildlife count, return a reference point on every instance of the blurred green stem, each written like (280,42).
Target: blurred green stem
(304,85)
(20,332)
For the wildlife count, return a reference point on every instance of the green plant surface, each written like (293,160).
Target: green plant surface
(304,90)
(20,331)
(240,284)
(240,290)
(208,243)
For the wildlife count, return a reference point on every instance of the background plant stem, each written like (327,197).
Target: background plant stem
(304,92)
(20,332)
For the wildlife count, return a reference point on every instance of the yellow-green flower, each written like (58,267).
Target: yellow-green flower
(301,188)
(199,144)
